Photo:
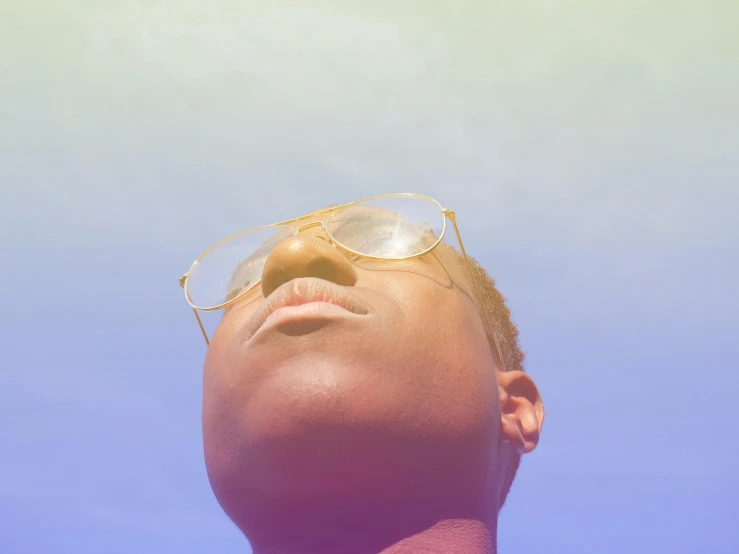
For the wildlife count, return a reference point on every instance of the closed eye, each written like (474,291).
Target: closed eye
(235,291)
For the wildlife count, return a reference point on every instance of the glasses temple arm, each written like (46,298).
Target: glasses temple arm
(183,279)
(200,324)
(453,218)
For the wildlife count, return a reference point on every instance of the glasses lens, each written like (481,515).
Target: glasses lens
(390,227)
(232,267)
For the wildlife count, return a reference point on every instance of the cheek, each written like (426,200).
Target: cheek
(442,319)
(223,381)
(448,349)
(217,378)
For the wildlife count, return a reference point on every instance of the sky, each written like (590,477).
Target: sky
(590,151)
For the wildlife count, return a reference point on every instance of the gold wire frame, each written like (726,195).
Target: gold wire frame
(336,210)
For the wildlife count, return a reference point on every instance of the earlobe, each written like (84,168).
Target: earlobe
(521,411)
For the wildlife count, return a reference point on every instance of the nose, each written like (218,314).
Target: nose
(305,256)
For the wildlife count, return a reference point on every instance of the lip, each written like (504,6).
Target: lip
(305,297)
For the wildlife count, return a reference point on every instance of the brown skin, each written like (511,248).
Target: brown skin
(388,431)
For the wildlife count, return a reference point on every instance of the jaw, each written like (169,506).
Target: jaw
(330,485)
(386,411)
(339,445)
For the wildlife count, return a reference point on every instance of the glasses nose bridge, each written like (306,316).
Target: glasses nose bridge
(310,225)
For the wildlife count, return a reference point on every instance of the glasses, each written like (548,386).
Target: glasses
(386,227)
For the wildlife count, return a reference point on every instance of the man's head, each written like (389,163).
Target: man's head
(343,382)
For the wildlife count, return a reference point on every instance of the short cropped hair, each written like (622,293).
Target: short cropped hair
(505,329)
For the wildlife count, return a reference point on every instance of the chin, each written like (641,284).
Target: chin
(323,433)
(351,420)
(299,424)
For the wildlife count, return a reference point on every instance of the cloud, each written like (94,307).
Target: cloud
(181,121)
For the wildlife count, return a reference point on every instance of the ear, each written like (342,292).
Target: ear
(521,410)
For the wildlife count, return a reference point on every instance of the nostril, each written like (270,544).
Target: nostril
(323,269)
(273,281)
(305,257)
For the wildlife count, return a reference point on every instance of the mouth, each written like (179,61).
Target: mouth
(304,300)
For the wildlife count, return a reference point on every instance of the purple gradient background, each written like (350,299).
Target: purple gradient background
(590,155)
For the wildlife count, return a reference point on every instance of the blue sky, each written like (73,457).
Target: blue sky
(590,153)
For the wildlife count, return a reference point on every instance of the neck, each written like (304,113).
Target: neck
(386,529)
(450,535)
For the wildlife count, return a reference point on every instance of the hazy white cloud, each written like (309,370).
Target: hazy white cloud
(184,120)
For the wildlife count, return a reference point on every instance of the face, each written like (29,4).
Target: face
(340,375)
